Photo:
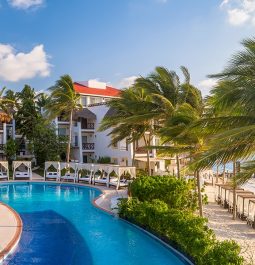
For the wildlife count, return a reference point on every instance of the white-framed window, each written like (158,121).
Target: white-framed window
(84,101)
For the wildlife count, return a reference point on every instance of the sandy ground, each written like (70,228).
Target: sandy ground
(220,220)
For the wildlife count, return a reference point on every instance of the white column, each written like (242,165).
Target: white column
(80,141)
(56,124)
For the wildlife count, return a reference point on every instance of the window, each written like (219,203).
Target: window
(95,100)
(62,131)
(76,140)
(85,159)
(84,139)
(84,101)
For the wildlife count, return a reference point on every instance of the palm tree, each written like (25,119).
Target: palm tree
(232,132)
(6,105)
(64,101)
(125,121)
(170,97)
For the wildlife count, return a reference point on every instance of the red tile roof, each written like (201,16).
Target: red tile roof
(108,92)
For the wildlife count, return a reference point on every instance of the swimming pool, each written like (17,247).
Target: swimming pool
(62,227)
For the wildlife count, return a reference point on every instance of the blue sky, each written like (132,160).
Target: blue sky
(116,40)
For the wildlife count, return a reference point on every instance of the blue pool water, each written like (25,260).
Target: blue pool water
(62,227)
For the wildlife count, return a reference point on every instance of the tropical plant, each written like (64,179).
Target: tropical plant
(232,131)
(125,120)
(177,193)
(64,101)
(7,104)
(47,145)
(10,149)
(173,226)
(27,114)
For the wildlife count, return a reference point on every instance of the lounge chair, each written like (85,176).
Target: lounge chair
(69,175)
(22,170)
(49,174)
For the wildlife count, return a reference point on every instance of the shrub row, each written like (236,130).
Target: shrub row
(182,229)
(177,193)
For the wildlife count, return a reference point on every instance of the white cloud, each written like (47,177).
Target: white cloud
(239,12)
(126,82)
(206,85)
(237,16)
(25,4)
(15,66)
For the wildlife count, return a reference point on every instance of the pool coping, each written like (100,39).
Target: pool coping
(103,191)
(10,247)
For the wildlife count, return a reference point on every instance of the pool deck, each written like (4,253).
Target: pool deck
(11,223)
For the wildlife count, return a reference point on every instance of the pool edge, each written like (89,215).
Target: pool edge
(11,246)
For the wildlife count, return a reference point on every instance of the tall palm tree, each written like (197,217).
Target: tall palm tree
(64,101)
(232,132)
(168,94)
(126,121)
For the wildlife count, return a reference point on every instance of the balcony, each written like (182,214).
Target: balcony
(1,126)
(1,147)
(88,146)
(88,126)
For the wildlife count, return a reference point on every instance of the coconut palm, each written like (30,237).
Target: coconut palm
(64,101)
(232,132)
(125,121)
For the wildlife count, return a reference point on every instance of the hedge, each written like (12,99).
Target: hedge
(182,229)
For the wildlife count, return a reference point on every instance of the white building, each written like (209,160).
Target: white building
(88,144)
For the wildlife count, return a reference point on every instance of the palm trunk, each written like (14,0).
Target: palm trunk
(217,174)
(133,159)
(148,155)
(178,166)
(200,201)
(70,137)
(223,173)
(234,190)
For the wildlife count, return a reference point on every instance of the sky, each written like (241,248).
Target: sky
(115,41)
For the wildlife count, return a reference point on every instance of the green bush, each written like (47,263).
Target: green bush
(184,230)
(177,193)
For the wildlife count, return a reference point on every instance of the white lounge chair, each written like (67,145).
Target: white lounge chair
(52,175)
(4,173)
(68,175)
(22,170)
(85,172)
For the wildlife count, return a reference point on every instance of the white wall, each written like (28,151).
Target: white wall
(102,140)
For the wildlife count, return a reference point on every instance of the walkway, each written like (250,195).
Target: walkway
(220,220)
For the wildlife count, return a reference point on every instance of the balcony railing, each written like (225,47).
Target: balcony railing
(88,126)
(88,146)
(1,126)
